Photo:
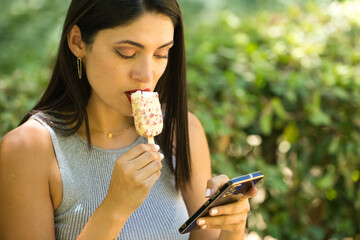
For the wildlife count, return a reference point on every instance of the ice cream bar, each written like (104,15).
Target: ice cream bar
(147,114)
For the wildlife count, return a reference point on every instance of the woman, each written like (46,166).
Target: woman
(76,168)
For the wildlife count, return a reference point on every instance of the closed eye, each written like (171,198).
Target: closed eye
(162,53)
(125,56)
(162,56)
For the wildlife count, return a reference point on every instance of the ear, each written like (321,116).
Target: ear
(76,45)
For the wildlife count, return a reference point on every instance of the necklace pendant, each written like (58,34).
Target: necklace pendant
(110,135)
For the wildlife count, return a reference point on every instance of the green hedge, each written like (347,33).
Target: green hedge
(276,91)
(280,92)
(29,36)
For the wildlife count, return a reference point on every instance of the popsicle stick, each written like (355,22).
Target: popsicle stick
(151,140)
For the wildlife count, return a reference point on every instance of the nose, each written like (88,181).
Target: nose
(144,72)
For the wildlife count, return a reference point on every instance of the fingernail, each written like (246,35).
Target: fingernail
(240,195)
(203,227)
(208,192)
(157,147)
(161,156)
(201,222)
(214,211)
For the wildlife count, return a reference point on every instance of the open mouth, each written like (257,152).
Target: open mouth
(128,93)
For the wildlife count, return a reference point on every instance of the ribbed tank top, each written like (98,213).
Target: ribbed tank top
(86,177)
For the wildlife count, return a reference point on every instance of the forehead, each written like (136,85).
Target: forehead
(149,29)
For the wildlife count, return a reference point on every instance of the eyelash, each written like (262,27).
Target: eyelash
(162,56)
(125,57)
(129,57)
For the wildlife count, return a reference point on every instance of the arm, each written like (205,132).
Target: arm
(29,193)
(230,218)
(134,174)
(25,203)
(194,194)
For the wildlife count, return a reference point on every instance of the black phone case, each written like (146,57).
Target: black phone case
(228,193)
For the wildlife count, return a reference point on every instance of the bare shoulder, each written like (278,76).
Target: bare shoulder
(199,149)
(195,126)
(25,150)
(25,166)
(196,133)
(29,139)
(194,122)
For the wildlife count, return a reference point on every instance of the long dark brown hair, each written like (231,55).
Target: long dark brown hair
(66,97)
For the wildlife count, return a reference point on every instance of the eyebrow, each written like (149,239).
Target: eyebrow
(142,46)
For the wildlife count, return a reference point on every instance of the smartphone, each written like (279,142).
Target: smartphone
(232,191)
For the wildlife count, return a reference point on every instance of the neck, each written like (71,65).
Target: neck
(107,120)
(103,121)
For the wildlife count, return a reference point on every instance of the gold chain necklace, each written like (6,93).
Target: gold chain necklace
(110,134)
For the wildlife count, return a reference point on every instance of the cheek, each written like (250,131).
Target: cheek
(103,71)
(96,68)
(161,69)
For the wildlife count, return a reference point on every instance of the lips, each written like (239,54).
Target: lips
(128,93)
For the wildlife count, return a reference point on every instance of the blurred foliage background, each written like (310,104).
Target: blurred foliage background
(275,83)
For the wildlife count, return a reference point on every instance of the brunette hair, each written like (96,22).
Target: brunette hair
(66,97)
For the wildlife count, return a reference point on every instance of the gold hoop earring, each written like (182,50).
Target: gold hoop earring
(79,66)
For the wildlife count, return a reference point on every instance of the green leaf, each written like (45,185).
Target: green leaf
(291,132)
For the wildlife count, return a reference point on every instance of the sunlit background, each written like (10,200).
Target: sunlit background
(275,84)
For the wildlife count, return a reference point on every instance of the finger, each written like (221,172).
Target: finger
(146,158)
(220,221)
(129,166)
(231,228)
(147,183)
(251,193)
(146,176)
(139,150)
(240,207)
(150,181)
(215,183)
(149,170)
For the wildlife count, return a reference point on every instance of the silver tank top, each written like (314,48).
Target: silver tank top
(86,177)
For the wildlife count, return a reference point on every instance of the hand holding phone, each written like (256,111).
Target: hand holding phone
(232,191)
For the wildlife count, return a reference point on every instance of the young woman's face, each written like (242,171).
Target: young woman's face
(124,59)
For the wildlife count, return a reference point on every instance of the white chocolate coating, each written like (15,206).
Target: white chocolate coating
(147,113)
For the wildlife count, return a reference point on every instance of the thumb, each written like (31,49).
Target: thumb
(214,184)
